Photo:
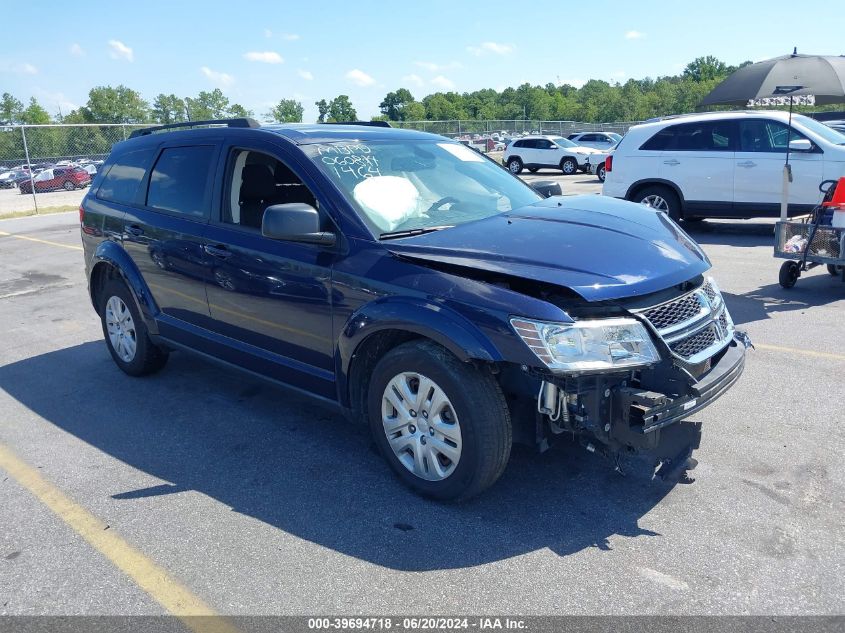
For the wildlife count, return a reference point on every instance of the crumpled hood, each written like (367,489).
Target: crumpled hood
(599,247)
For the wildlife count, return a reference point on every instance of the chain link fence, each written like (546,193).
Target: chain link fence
(28,150)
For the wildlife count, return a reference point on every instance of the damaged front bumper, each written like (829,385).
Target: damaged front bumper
(642,412)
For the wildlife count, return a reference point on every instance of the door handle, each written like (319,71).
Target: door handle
(220,252)
(748,163)
(134,229)
(672,162)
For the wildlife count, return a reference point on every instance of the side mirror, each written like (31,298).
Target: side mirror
(547,188)
(800,145)
(295,222)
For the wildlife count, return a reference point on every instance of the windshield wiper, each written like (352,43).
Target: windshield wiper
(409,232)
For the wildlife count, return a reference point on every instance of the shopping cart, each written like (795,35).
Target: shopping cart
(814,241)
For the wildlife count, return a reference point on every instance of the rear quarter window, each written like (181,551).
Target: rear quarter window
(179,182)
(121,179)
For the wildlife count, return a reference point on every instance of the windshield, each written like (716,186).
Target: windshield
(616,137)
(563,142)
(827,133)
(412,185)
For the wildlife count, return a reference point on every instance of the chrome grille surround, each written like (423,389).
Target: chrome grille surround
(694,326)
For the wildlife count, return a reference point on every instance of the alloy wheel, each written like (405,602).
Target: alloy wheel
(656,202)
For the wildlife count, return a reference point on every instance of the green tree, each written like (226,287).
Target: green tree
(705,68)
(168,109)
(322,109)
(107,104)
(237,111)
(414,111)
(286,111)
(340,109)
(35,114)
(10,109)
(208,105)
(394,103)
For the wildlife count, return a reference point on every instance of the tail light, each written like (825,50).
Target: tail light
(608,163)
(81,214)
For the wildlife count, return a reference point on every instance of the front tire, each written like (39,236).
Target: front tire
(515,166)
(662,199)
(569,166)
(68,186)
(126,335)
(443,425)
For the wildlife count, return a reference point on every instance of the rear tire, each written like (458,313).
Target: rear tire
(515,166)
(533,170)
(126,335)
(68,186)
(437,392)
(834,270)
(789,274)
(662,199)
(601,174)
(569,166)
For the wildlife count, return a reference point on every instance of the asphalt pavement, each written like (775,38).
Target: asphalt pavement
(253,500)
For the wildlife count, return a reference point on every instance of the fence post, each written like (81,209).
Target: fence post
(123,127)
(29,168)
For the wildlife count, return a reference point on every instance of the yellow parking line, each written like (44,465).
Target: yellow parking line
(40,241)
(800,352)
(150,577)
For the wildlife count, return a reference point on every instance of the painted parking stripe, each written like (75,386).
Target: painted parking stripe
(802,352)
(150,577)
(40,241)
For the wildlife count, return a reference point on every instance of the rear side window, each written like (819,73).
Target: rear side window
(704,136)
(120,183)
(179,182)
(520,143)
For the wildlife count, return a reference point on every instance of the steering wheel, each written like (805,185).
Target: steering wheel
(441,202)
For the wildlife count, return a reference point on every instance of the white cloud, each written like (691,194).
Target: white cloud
(59,99)
(491,47)
(19,69)
(265,57)
(219,79)
(290,37)
(305,74)
(76,50)
(442,82)
(432,67)
(119,50)
(268,33)
(634,35)
(414,80)
(360,78)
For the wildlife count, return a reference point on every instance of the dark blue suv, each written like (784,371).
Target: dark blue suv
(413,283)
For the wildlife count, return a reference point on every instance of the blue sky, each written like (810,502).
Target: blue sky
(260,52)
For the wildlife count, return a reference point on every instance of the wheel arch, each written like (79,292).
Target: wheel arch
(379,327)
(648,182)
(111,261)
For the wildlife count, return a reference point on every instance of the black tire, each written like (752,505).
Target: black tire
(672,202)
(148,358)
(515,165)
(68,186)
(533,170)
(480,408)
(601,173)
(569,166)
(834,270)
(789,274)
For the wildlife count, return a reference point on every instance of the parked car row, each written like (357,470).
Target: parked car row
(536,152)
(64,174)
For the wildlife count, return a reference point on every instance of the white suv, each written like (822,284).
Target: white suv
(724,164)
(534,152)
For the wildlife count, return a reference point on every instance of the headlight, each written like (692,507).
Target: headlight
(599,344)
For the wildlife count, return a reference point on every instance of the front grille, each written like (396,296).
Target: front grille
(675,312)
(695,344)
(694,326)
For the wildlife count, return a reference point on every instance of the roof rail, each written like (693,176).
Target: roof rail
(241,122)
(366,123)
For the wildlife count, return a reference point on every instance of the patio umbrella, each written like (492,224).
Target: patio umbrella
(822,76)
